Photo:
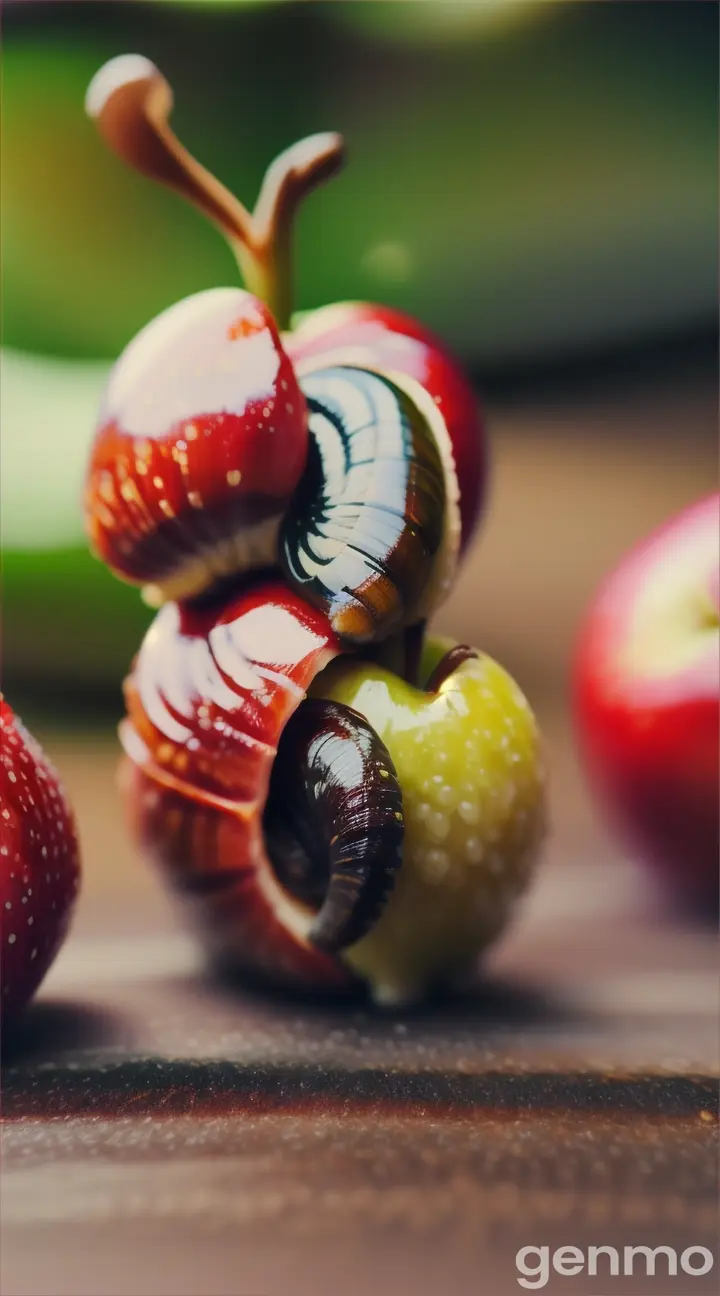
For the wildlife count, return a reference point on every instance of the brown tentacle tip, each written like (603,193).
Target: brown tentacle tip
(294,173)
(334,820)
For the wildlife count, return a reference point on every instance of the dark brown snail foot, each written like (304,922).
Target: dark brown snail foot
(334,821)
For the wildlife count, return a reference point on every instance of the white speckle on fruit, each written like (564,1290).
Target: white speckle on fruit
(446,797)
(474,850)
(437,864)
(438,825)
(33,953)
(12,938)
(8,904)
(508,794)
(469,812)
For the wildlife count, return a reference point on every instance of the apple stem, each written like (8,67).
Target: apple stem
(131,102)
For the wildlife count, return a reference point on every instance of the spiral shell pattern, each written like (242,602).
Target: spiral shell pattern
(366,523)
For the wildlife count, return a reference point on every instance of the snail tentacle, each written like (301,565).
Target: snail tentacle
(131,102)
(366,523)
(334,821)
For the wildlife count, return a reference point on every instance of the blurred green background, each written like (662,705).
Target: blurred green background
(537,181)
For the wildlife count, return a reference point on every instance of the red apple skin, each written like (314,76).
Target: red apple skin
(650,734)
(202,439)
(392,342)
(39,864)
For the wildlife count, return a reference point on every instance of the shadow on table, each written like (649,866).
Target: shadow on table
(483,1004)
(48,1028)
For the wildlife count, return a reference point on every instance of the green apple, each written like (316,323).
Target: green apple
(469,761)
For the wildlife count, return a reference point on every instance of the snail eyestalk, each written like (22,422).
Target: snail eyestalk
(131,102)
(334,820)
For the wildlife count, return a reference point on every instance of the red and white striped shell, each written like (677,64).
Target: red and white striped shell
(207,701)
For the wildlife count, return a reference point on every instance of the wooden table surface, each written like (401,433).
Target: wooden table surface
(165,1136)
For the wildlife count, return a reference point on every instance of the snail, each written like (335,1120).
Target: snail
(338,798)
(208,437)
(325,822)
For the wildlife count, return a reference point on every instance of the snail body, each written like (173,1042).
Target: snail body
(296,503)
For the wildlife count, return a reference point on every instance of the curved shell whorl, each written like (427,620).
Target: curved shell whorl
(367,523)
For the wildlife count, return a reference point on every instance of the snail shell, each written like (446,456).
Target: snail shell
(201,442)
(390,342)
(278,818)
(373,525)
(211,461)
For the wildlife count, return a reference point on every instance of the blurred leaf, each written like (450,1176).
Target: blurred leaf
(48,410)
(65,616)
(68,620)
(411,22)
(550,187)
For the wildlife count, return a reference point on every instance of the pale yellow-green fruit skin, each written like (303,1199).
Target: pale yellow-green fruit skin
(470,766)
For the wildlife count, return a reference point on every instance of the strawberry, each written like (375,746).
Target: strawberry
(39,864)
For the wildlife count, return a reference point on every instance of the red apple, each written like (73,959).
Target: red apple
(39,864)
(647,701)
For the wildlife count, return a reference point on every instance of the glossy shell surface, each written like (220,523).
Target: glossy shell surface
(393,343)
(207,701)
(201,441)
